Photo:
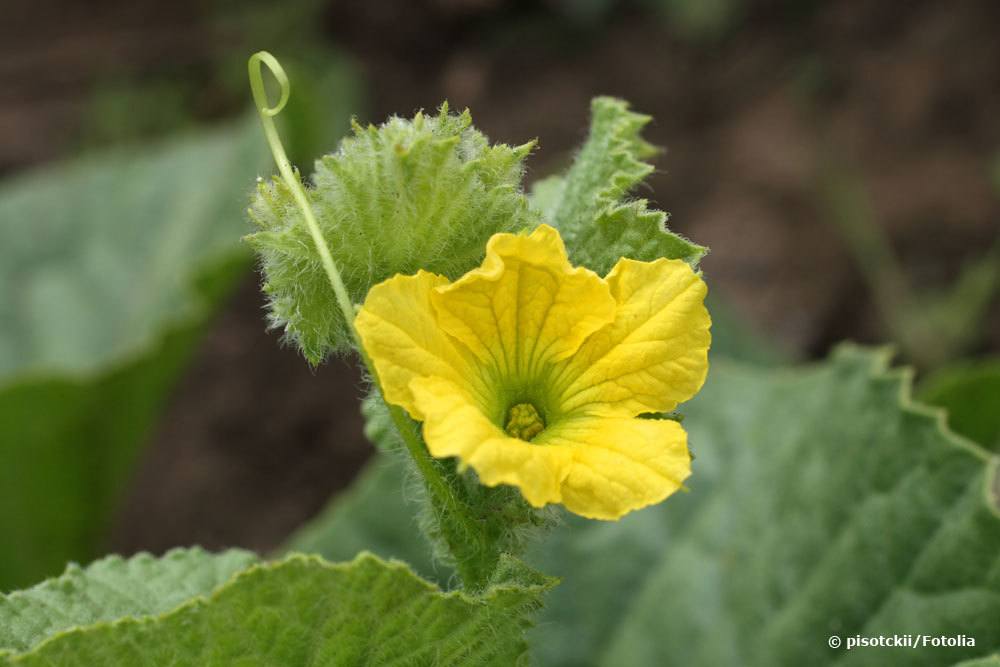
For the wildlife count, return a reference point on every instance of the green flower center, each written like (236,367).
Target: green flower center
(524,422)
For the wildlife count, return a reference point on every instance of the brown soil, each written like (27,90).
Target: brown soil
(252,442)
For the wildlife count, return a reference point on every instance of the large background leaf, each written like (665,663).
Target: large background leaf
(106,247)
(821,503)
(303,611)
(110,268)
(112,588)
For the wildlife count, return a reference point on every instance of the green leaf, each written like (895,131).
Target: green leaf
(970,392)
(99,254)
(590,207)
(112,588)
(990,661)
(822,502)
(413,194)
(304,611)
(111,266)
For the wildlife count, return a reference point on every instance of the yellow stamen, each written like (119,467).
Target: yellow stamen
(524,422)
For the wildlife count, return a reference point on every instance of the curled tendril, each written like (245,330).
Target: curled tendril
(255,69)
(255,65)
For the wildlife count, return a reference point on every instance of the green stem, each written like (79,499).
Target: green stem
(443,492)
(462,533)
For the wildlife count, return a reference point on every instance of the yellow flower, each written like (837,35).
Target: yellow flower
(534,373)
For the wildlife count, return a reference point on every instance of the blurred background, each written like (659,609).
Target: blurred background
(841,159)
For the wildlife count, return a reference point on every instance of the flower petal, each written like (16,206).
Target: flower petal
(654,355)
(619,464)
(454,426)
(525,305)
(399,332)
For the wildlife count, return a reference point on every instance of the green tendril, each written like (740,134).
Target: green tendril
(255,68)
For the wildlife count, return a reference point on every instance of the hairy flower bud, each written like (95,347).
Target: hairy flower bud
(412,194)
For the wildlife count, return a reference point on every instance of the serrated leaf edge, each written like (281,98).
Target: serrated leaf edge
(629,150)
(544,583)
(73,571)
(904,375)
(881,369)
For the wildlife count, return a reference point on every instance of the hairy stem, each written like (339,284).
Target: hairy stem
(471,548)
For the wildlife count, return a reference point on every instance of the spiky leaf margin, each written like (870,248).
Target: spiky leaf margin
(304,611)
(591,205)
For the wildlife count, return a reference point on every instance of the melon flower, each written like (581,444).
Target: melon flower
(535,373)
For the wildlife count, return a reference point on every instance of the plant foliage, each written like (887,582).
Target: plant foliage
(824,501)
(590,204)
(111,266)
(297,611)
(112,588)
(795,529)
(970,392)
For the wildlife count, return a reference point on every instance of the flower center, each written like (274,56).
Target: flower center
(524,422)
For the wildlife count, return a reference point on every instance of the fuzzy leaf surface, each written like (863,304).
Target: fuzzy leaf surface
(111,266)
(822,502)
(304,611)
(591,205)
(112,588)
(425,193)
